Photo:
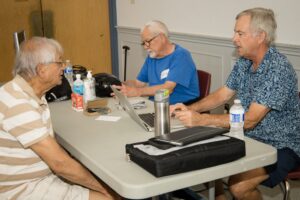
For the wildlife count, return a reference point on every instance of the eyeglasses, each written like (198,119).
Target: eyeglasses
(147,43)
(59,63)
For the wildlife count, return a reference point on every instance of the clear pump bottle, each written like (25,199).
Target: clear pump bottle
(89,93)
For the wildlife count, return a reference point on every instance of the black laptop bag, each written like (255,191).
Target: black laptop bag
(188,159)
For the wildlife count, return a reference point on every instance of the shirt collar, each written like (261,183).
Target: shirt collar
(265,62)
(29,90)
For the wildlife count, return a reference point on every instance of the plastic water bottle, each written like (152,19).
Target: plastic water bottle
(69,72)
(162,116)
(89,88)
(77,96)
(78,85)
(237,113)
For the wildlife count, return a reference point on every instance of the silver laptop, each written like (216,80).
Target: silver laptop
(144,119)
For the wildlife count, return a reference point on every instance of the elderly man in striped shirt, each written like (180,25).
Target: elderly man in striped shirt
(32,164)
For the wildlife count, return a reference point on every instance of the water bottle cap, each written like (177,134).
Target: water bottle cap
(78,76)
(237,101)
(161,95)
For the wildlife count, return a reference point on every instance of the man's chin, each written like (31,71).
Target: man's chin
(152,54)
(59,82)
(238,52)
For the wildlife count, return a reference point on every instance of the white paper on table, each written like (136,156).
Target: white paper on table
(154,151)
(108,118)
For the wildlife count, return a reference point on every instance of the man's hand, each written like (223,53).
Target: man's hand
(129,91)
(177,107)
(191,118)
(188,117)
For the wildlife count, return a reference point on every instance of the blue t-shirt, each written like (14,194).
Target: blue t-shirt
(177,67)
(274,84)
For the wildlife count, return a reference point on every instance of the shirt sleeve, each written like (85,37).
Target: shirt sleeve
(276,91)
(182,69)
(143,74)
(234,79)
(25,123)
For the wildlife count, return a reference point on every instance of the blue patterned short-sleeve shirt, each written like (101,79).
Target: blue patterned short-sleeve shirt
(274,84)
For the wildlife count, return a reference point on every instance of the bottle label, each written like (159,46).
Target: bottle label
(236,117)
(78,89)
(89,90)
(77,102)
(68,70)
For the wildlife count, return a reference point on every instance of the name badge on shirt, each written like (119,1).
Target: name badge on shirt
(164,74)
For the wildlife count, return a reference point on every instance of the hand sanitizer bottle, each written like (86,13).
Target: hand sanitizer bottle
(89,88)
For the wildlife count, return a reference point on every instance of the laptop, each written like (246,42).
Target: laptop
(146,120)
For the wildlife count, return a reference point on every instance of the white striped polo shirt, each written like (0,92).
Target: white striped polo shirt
(24,120)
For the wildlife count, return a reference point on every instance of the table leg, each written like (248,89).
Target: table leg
(167,196)
(211,190)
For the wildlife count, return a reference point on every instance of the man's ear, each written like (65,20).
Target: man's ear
(262,36)
(40,70)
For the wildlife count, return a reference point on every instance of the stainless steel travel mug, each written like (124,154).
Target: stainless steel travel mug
(162,116)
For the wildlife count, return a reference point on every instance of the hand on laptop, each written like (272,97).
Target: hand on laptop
(128,90)
(176,108)
(188,117)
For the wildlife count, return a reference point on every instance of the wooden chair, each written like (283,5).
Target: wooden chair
(295,174)
(19,37)
(204,83)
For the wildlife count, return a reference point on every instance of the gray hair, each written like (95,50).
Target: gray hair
(262,20)
(37,50)
(156,27)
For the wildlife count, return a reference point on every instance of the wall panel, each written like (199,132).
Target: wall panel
(213,54)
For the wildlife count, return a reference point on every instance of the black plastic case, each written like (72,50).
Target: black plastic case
(188,159)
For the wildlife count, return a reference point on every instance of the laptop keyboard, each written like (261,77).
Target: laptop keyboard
(148,118)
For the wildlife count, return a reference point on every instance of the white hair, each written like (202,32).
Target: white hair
(262,20)
(37,50)
(156,27)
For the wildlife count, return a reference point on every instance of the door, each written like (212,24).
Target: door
(15,15)
(82,27)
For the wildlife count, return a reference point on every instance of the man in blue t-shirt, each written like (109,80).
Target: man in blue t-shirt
(167,66)
(266,83)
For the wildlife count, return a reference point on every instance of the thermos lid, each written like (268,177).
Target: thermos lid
(161,95)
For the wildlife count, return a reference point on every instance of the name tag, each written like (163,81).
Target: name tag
(164,74)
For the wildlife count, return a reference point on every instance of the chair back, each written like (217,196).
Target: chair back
(204,83)
(19,37)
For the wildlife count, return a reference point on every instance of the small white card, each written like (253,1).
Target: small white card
(164,74)
(108,118)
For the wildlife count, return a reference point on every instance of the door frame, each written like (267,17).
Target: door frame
(113,37)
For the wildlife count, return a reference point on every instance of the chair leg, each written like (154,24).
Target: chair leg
(286,190)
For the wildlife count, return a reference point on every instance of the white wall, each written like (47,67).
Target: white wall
(208,17)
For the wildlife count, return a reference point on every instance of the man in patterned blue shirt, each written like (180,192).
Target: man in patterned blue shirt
(266,83)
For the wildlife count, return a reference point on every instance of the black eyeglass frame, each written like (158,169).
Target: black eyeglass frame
(148,42)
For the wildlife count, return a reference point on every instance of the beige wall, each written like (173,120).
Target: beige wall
(208,17)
